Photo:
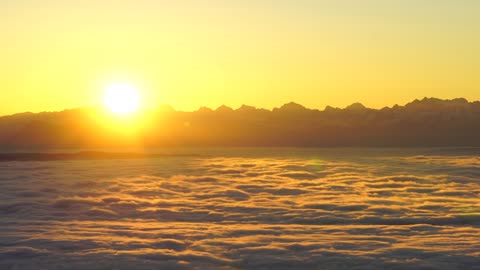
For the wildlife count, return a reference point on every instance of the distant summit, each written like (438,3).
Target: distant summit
(246,108)
(204,110)
(435,104)
(356,107)
(224,109)
(422,122)
(292,107)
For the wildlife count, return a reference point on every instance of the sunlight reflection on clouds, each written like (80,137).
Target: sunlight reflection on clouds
(242,213)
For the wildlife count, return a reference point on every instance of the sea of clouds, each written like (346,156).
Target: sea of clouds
(243,211)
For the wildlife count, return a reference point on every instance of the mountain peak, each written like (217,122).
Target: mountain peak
(437,104)
(460,100)
(329,108)
(292,106)
(224,108)
(356,106)
(246,108)
(204,109)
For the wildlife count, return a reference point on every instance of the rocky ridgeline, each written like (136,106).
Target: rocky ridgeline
(425,122)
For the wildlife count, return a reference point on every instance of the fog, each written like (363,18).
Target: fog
(311,209)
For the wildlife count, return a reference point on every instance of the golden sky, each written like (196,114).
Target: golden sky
(62,54)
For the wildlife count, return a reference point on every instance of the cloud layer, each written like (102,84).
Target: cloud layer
(242,212)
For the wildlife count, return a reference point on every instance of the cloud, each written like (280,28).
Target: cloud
(251,212)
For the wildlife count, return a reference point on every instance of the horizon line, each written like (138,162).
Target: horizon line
(355,105)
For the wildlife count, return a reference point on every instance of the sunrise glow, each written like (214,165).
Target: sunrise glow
(121,99)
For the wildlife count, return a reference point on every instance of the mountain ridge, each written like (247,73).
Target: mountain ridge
(422,122)
(291,106)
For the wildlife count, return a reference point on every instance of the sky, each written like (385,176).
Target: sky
(63,54)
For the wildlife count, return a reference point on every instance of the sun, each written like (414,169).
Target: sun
(121,99)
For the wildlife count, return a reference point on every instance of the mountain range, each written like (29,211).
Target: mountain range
(421,123)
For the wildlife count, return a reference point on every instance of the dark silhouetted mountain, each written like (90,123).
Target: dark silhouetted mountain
(356,107)
(291,107)
(330,109)
(246,108)
(204,110)
(224,109)
(426,122)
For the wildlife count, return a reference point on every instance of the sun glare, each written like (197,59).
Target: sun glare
(121,98)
